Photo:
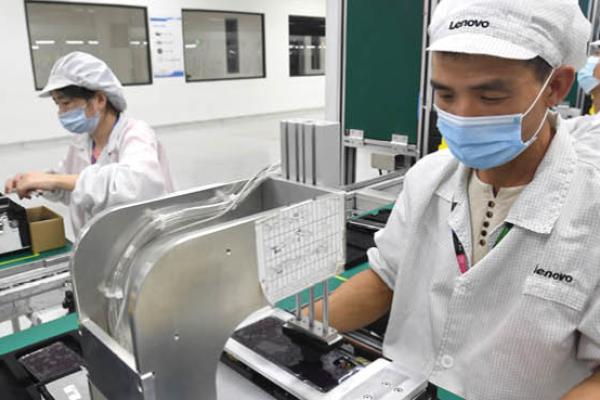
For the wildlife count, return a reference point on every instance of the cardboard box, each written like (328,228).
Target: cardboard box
(47,229)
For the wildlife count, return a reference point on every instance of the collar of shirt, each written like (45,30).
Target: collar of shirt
(115,137)
(85,144)
(538,207)
(540,204)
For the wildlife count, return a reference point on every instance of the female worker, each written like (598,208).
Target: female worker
(112,160)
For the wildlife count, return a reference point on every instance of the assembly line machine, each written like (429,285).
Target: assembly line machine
(169,290)
(201,294)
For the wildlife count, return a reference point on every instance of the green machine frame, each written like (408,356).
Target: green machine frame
(384,47)
(376,77)
(383,67)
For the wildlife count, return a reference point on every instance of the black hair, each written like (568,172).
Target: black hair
(78,92)
(538,65)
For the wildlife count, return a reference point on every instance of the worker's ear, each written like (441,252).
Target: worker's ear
(100,102)
(560,85)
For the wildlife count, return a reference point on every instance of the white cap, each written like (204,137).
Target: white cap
(555,30)
(86,71)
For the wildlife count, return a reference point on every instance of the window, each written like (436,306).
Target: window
(116,34)
(223,45)
(307,46)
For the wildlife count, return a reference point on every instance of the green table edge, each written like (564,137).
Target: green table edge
(443,394)
(387,207)
(25,258)
(39,333)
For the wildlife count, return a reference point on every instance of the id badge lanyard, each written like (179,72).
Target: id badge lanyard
(459,249)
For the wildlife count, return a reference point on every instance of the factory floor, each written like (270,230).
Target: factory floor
(199,154)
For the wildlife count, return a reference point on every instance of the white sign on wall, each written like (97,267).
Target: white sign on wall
(167,47)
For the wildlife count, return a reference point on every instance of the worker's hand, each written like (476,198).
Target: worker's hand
(581,394)
(11,184)
(587,390)
(32,182)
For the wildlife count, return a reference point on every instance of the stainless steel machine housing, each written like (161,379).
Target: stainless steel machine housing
(190,290)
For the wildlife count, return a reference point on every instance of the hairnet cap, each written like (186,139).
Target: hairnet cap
(84,70)
(555,30)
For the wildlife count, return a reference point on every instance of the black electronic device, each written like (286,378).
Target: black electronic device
(14,227)
(322,367)
(51,362)
(19,382)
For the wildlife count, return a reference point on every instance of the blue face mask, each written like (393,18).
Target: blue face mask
(585,77)
(75,121)
(487,142)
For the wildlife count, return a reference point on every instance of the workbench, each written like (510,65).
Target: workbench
(30,283)
(16,271)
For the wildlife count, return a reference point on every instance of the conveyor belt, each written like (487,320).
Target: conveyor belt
(24,258)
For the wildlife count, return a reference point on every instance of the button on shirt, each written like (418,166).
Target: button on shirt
(488,212)
(524,324)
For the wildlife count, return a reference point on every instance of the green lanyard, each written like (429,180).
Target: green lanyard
(507,227)
(461,257)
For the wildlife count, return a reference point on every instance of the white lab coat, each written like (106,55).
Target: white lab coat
(131,168)
(522,324)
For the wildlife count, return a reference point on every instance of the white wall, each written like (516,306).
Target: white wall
(24,117)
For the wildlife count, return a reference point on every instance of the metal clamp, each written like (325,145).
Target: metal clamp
(354,138)
(148,386)
(400,142)
(308,325)
(401,145)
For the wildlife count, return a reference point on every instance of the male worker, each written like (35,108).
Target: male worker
(490,262)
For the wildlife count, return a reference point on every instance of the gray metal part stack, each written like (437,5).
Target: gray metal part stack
(311,152)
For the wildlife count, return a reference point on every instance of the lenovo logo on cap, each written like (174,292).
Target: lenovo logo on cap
(471,23)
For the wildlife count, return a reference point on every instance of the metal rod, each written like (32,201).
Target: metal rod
(373,181)
(16,326)
(311,307)
(325,308)
(298,307)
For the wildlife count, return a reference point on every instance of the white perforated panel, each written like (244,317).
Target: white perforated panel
(301,246)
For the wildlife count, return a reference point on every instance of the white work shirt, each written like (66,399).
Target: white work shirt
(132,167)
(525,322)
